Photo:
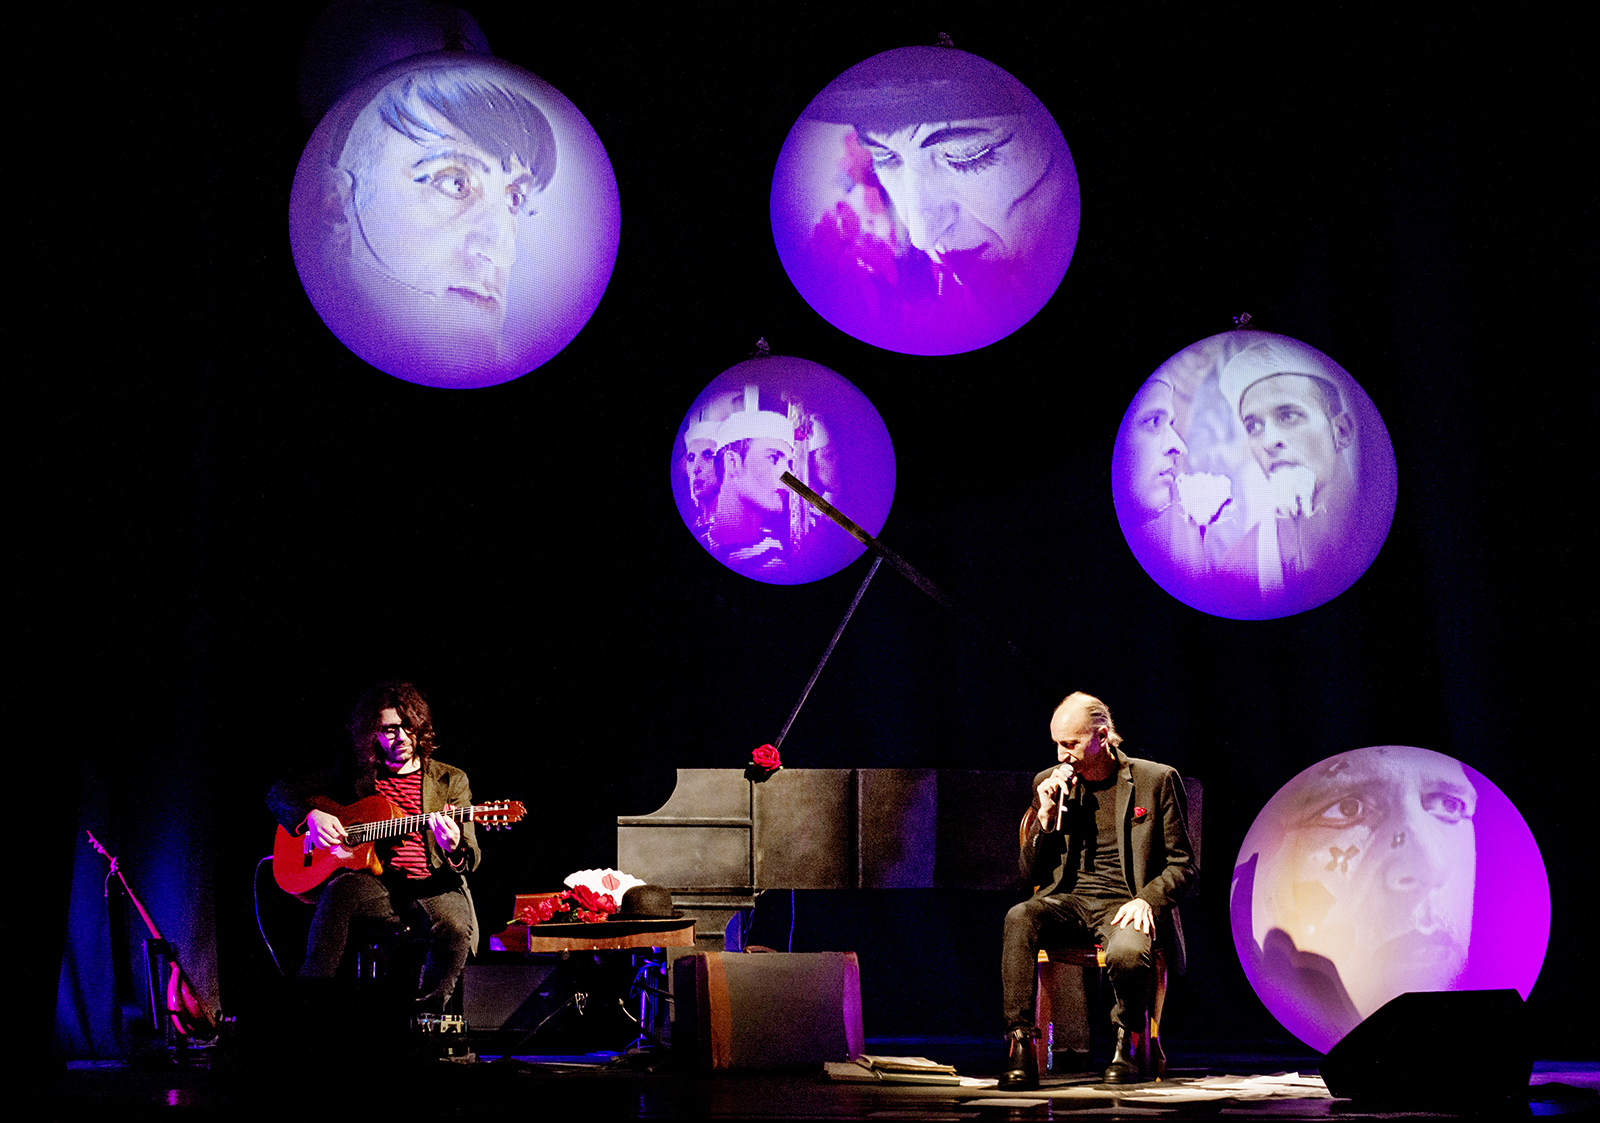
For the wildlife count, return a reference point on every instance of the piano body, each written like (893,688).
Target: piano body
(721,839)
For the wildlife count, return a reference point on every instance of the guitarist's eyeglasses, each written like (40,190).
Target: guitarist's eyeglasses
(392,731)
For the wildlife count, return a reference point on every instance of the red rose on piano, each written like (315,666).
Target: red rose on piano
(766,757)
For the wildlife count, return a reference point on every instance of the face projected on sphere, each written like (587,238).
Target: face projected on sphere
(439,215)
(1295,420)
(1153,447)
(700,466)
(963,185)
(1373,870)
(755,476)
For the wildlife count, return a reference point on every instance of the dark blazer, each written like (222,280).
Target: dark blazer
(1157,858)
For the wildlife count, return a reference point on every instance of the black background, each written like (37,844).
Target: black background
(243,524)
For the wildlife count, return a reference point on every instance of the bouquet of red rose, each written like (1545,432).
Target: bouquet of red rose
(570,906)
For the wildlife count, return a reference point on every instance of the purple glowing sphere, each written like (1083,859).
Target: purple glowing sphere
(926,202)
(454,220)
(1382,871)
(755,422)
(1252,477)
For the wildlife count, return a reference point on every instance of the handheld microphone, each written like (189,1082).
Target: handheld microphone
(1064,772)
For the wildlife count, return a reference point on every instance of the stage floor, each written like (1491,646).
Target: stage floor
(598,1086)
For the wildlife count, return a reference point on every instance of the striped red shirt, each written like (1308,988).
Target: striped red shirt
(405,792)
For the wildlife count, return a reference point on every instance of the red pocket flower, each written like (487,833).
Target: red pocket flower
(766,757)
(1140,814)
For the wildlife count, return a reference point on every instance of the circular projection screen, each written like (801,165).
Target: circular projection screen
(925,202)
(1381,871)
(1252,477)
(753,423)
(454,220)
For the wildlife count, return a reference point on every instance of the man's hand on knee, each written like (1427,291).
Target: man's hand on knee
(1138,913)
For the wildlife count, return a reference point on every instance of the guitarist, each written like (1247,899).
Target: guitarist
(423,883)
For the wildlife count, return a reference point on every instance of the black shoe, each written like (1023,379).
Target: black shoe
(1022,1064)
(1124,1067)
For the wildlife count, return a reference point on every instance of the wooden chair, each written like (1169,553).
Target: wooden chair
(1055,959)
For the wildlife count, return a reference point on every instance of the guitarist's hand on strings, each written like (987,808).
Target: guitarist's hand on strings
(446,832)
(325,830)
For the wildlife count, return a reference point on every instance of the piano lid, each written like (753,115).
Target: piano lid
(822,828)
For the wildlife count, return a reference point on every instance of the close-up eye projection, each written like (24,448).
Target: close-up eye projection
(926,202)
(1252,477)
(454,221)
(755,422)
(1381,871)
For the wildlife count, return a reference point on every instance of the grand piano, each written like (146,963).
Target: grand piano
(721,838)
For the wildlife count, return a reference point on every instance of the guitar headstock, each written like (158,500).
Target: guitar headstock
(98,849)
(501,813)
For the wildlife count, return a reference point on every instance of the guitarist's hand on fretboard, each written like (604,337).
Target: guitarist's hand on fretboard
(445,831)
(325,830)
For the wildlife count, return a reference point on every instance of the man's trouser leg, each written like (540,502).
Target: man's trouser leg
(346,896)
(1130,963)
(449,938)
(1033,922)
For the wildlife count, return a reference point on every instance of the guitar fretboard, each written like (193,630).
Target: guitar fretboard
(405,824)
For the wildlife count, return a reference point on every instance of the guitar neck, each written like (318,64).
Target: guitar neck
(402,825)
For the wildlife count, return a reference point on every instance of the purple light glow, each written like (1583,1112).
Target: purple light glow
(1253,477)
(1382,871)
(926,202)
(454,221)
(751,424)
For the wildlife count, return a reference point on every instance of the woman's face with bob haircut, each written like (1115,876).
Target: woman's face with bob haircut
(961,185)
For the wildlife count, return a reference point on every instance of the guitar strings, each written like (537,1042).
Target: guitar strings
(405,824)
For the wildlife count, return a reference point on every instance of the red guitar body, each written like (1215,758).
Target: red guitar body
(300,867)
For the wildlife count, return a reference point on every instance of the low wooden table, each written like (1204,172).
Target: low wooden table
(640,941)
(528,938)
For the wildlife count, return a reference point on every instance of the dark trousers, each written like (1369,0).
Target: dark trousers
(1072,919)
(445,917)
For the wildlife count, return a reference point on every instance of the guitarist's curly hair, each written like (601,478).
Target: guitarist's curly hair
(407,701)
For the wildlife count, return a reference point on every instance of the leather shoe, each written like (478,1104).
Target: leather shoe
(1124,1067)
(1022,1064)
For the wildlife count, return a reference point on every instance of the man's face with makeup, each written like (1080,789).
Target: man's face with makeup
(440,216)
(1373,869)
(963,185)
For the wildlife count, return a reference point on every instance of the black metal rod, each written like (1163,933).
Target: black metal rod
(823,662)
(907,570)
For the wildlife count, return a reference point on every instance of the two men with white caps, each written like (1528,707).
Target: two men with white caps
(1301,434)
(749,526)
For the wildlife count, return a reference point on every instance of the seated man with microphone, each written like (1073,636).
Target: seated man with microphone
(1107,846)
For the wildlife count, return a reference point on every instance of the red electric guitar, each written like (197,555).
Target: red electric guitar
(300,867)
